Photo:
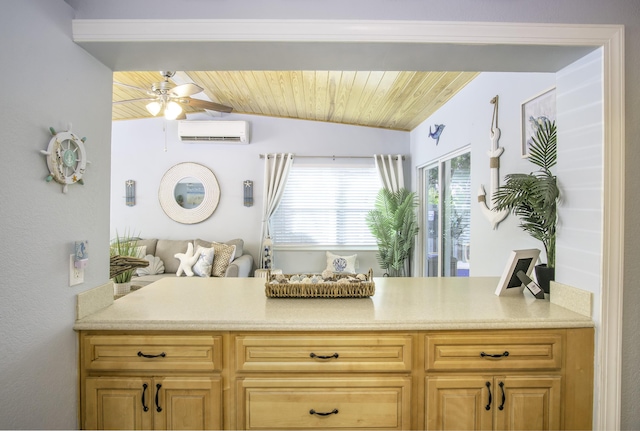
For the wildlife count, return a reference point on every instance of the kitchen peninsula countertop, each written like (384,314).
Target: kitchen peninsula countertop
(240,304)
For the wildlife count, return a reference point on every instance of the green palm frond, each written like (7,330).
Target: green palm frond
(393,223)
(534,197)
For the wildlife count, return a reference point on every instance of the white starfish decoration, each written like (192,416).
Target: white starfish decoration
(187,260)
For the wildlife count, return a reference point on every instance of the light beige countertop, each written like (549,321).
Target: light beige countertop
(240,304)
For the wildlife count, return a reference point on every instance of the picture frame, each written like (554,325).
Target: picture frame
(540,105)
(519,260)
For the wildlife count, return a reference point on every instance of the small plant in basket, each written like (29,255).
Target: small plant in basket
(124,246)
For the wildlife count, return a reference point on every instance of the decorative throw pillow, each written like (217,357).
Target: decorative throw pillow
(238,242)
(203,265)
(140,251)
(336,263)
(222,256)
(149,243)
(166,250)
(156,266)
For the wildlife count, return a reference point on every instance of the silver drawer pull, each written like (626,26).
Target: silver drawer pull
(332,412)
(313,355)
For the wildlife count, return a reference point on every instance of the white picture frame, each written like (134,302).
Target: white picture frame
(540,105)
(519,260)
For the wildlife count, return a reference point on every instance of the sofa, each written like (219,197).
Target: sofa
(229,259)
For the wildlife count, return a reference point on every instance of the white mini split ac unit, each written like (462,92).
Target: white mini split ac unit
(230,132)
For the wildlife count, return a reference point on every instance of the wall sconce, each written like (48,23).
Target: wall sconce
(248,193)
(130,188)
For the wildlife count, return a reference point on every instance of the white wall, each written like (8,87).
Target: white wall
(580,176)
(467,119)
(48,81)
(138,154)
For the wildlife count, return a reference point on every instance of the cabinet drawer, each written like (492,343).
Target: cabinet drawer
(151,353)
(335,353)
(380,403)
(514,351)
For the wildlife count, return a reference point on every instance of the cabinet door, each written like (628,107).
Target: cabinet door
(529,403)
(187,403)
(118,403)
(459,403)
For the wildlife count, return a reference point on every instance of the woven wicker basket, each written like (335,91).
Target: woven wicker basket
(327,289)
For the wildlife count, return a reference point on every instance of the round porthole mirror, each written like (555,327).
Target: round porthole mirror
(189,193)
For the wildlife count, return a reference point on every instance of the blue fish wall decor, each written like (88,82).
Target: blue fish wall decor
(436,135)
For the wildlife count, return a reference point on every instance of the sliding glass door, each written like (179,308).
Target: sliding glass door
(447,216)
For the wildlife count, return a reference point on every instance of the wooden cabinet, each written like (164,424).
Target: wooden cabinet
(527,402)
(324,381)
(324,353)
(163,403)
(393,380)
(380,402)
(151,382)
(494,350)
(505,380)
(493,402)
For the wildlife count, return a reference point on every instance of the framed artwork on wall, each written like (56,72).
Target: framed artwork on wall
(541,105)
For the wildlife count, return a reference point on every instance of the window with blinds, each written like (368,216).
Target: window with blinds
(326,206)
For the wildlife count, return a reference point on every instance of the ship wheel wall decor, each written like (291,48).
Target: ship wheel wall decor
(66,158)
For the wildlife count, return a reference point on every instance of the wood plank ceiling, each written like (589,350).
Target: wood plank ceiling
(389,100)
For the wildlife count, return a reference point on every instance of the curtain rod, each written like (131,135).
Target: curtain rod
(262,156)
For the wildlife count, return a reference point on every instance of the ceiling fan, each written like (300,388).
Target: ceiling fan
(168,98)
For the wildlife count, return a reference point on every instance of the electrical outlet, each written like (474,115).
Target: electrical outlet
(76,275)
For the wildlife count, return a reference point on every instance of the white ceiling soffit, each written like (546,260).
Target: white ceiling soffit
(307,45)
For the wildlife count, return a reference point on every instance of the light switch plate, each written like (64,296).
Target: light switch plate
(76,275)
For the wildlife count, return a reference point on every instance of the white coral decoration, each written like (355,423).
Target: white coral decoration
(327,274)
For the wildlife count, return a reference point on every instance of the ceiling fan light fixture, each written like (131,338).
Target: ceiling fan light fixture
(154,108)
(172,111)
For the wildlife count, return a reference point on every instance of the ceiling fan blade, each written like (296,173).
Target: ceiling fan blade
(205,104)
(182,116)
(185,90)
(144,99)
(133,87)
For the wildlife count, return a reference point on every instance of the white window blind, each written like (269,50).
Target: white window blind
(326,206)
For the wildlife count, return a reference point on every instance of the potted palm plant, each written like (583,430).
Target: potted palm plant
(534,197)
(393,223)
